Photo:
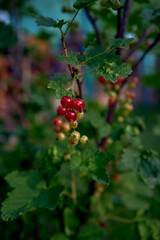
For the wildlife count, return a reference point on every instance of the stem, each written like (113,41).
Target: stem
(106,51)
(71,22)
(120,219)
(144,35)
(73,186)
(93,22)
(65,50)
(87,73)
(79,88)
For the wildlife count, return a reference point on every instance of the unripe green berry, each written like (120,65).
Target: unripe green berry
(128,107)
(65,127)
(128,129)
(112,94)
(74,124)
(84,139)
(75,136)
(120,119)
(80,115)
(135,131)
(61,136)
(109,140)
(132,85)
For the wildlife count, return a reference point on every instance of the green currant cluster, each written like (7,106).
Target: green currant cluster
(71,110)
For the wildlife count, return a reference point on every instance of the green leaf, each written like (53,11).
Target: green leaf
(120,43)
(93,163)
(133,192)
(83,3)
(71,59)
(149,229)
(59,236)
(91,232)
(98,122)
(145,163)
(58,84)
(109,65)
(49,22)
(30,192)
(71,221)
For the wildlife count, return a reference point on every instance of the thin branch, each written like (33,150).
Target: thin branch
(71,22)
(73,186)
(79,88)
(144,35)
(157,39)
(66,52)
(93,22)
(125,17)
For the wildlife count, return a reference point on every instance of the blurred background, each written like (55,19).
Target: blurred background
(27,107)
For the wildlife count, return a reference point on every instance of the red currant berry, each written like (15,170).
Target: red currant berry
(135,80)
(71,116)
(102,80)
(112,101)
(65,127)
(74,143)
(57,121)
(120,79)
(57,129)
(133,95)
(131,44)
(66,101)
(102,224)
(61,111)
(78,104)
(116,177)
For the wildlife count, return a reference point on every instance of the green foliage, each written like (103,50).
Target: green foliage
(120,43)
(59,236)
(145,163)
(7,36)
(148,229)
(71,221)
(93,163)
(148,81)
(49,22)
(83,3)
(91,232)
(58,84)
(71,59)
(30,192)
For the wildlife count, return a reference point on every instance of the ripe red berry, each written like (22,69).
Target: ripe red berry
(71,116)
(102,80)
(112,101)
(78,104)
(116,177)
(133,95)
(57,121)
(102,224)
(61,111)
(135,80)
(120,79)
(66,101)
(57,129)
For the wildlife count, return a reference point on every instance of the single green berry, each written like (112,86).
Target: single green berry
(84,139)
(80,115)
(116,4)
(61,136)
(135,131)
(109,140)
(75,136)
(65,127)
(74,124)
(120,119)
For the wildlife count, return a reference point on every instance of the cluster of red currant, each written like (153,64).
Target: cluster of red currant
(71,110)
